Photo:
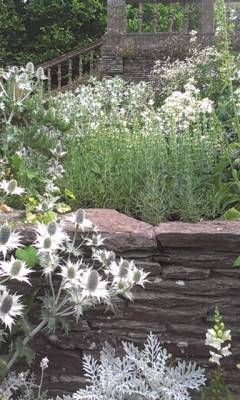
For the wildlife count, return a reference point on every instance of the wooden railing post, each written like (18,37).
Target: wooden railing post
(80,66)
(59,76)
(91,62)
(49,79)
(70,71)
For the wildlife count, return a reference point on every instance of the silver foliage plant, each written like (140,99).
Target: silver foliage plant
(147,374)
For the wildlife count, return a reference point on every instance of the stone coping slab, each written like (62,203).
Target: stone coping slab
(124,233)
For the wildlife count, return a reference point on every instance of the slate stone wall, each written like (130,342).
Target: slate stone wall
(191,272)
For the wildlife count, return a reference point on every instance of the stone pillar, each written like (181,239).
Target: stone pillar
(117,16)
(207,16)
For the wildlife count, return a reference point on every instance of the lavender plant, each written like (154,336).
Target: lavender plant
(141,374)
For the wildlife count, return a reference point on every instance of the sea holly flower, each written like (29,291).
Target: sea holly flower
(105,257)
(10,308)
(15,269)
(137,276)
(96,241)
(80,221)
(9,240)
(72,273)
(11,187)
(93,286)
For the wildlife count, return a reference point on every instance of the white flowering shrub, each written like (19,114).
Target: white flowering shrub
(84,283)
(141,374)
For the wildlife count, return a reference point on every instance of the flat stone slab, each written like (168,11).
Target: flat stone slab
(217,235)
(121,232)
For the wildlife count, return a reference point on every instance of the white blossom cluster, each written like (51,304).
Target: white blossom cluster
(183,108)
(141,374)
(100,103)
(219,339)
(170,75)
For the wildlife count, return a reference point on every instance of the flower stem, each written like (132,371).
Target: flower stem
(36,330)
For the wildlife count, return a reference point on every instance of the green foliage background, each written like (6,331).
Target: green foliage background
(38,30)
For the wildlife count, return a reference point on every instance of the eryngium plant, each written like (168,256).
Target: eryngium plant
(84,281)
(144,374)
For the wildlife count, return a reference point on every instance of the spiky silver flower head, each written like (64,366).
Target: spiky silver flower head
(40,74)
(79,216)
(93,281)
(10,308)
(6,305)
(16,267)
(5,233)
(123,268)
(12,185)
(30,68)
(52,228)
(47,243)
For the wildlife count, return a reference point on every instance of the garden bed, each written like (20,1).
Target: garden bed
(191,272)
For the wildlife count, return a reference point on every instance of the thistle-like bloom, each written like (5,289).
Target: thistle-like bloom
(80,221)
(137,276)
(50,237)
(120,270)
(93,286)
(96,241)
(11,187)
(72,273)
(10,308)
(54,230)
(48,262)
(15,269)
(9,240)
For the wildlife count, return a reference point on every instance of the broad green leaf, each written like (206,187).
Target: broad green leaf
(28,255)
(68,193)
(237,262)
(232,214)
(63,208)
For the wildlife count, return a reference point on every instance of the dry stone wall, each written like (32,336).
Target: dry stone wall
(191,272)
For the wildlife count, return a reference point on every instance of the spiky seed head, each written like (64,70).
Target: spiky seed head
(79,216)
(93,281)
(6,304)
(12,185)
(71,273)
(16,267)
(59,169)
(5,233)
(40,73)
(58,148)
(111,256)
(52,228)
(47,243)
(30,68)
(15,69)
(123,269)
(136,276)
